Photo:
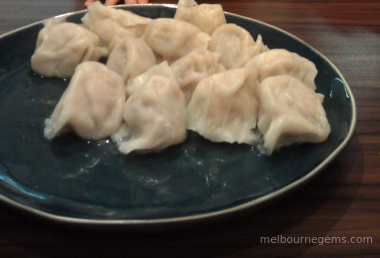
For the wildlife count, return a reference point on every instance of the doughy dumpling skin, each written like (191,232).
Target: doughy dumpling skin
(223,108)
(172,39)
(192,68)
(207,17)
(235,45)
(281,62)
(161,69)
(92,104)
(130,57)
(113,24)
(61,46)
(154,116)
(290,112)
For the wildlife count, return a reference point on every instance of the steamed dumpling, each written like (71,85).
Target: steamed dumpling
(281,61)
(61,46)
(192,68)
(113,24)
(207,17)
(92,104)
(154,116)
(172,39)
(161,69)
(289,112)
(235,45)
(223,108)
(131,57)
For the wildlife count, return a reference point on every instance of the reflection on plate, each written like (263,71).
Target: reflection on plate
(75,181)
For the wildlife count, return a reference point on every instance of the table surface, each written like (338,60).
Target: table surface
(342,202)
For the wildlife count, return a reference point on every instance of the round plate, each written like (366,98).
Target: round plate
(70,180)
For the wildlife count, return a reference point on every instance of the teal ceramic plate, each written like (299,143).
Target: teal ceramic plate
(74,181)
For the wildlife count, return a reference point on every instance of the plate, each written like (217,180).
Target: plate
(74,181)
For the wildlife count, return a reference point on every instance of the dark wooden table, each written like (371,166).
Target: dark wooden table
(343,201)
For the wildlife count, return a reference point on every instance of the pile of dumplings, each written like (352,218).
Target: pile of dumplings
(165,76)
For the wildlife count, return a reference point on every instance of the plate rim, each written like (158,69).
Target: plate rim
(256,203)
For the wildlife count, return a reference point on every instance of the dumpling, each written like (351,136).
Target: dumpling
(289,112)
(223,108)
(113,24)
(161,69)
(154,117)
(61,46)
(130,58)
(207,17)
(235,45)
(192,68)
(282,61)
(92,104)
(172,39)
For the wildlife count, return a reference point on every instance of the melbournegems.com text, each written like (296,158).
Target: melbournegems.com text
(280,239)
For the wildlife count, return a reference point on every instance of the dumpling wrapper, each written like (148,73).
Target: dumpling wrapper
(154,116)
(61,46)
(223,108)
(91,106)
(207,17)
(161,69)
(235,45)
(113,24)
(130,57)
(289,113)
(172,39)
(281,62)
(192,68)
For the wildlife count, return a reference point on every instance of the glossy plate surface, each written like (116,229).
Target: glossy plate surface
(74,181)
